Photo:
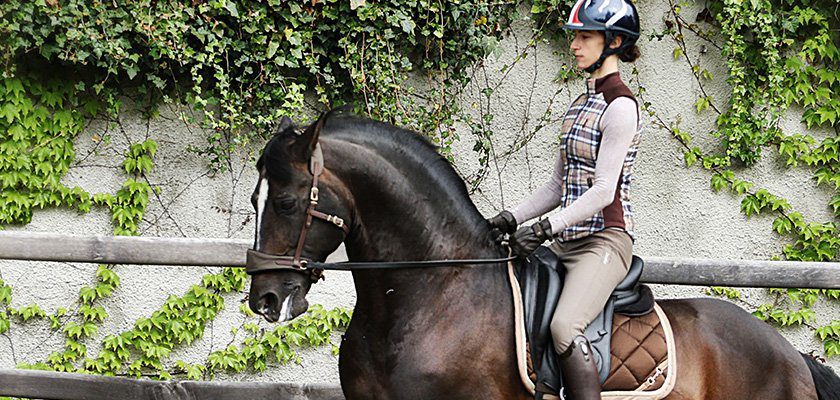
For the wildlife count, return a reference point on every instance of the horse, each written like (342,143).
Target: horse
(448,333)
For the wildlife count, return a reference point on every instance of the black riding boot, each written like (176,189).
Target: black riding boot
(580,375)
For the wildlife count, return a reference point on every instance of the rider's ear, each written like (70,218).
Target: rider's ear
(304,145)
(616,43)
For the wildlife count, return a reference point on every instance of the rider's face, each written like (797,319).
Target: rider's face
(587,47)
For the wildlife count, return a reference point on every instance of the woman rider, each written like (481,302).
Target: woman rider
(593,231)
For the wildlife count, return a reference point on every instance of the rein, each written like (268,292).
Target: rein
(257,261)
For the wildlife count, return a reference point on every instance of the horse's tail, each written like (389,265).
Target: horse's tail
(826,381)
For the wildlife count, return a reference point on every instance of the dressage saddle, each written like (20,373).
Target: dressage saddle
(541,282)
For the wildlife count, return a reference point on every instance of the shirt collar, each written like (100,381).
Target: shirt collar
(594,86)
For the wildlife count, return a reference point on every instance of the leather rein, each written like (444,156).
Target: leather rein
(257,261)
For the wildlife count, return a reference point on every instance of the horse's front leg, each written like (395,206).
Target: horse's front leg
(360,377)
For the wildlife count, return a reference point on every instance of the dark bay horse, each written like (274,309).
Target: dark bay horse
(448,333)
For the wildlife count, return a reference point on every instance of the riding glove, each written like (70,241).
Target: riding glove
(526,240)
(501,224)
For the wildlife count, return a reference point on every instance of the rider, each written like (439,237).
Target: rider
(593,231)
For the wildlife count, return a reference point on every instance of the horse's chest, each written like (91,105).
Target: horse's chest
(421,363)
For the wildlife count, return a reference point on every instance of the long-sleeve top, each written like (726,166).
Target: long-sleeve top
(619,125)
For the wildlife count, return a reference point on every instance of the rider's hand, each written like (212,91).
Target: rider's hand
(526,240)
(503,223)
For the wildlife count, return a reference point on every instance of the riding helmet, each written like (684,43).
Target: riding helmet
(613,17)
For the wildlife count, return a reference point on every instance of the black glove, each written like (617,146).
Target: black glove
(503,223)
(526,240)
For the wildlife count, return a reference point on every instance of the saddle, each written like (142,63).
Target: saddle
(638,357)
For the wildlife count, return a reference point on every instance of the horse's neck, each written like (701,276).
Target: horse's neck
(403,214)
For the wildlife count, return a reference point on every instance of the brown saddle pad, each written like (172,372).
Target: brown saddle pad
(638,354)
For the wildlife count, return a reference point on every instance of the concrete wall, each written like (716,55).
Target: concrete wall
(677,214)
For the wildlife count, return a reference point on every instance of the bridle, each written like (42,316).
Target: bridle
(257,261)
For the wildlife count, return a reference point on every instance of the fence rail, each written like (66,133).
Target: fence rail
(231,252)
(69,386)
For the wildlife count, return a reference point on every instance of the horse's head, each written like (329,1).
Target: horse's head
(301,217)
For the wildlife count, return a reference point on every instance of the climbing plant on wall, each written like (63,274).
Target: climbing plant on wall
(241,64)
(780,56)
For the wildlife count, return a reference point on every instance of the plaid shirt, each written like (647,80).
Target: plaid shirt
(579,141)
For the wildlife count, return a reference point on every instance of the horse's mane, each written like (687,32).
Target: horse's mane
(401,146)
(391,142)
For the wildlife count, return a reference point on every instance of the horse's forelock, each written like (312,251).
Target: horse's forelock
(275,158)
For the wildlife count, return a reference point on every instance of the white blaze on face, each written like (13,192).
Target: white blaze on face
(285,313)
(262,198)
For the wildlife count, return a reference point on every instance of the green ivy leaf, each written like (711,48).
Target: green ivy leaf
(750,205)
(702,104)
(782,225)
(230,6)
(719,182)
(4,323)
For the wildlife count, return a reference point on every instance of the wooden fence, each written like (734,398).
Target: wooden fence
(229,252)
(226,252)
(67,386)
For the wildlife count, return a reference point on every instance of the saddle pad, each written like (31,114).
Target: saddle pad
(643,358)
(637,349)
(643,354)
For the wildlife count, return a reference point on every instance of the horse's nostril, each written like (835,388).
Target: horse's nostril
(268,304)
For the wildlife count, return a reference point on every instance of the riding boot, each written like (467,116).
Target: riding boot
(580,375)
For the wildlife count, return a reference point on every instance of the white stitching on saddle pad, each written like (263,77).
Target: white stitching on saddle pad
(667,368)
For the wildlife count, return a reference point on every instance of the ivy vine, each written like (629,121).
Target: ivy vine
(779,54)
(240,65)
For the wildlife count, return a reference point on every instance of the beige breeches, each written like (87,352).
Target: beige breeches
(595,265)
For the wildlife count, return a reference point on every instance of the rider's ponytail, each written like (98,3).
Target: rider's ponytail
(630,55)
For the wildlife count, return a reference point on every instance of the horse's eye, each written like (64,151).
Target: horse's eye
(284,203)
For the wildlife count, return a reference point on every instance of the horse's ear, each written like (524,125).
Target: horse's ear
(305,144)
(284,125)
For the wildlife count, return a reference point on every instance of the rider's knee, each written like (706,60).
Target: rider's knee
(563,331)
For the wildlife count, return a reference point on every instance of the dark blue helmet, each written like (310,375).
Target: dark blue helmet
(613,17)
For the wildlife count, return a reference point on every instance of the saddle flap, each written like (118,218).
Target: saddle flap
(599,334)
(541,283)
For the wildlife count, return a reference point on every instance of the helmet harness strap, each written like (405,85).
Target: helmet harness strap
(609,36)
